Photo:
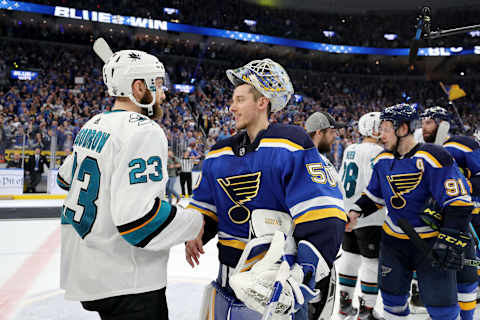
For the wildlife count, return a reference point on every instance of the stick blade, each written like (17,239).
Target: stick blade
(102,49)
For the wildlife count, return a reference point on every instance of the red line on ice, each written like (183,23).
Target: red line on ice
(13,290)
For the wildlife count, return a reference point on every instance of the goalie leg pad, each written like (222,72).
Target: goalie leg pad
(315,268)
(225,306)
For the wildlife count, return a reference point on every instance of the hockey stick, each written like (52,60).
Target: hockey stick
(102,49)
(423,246)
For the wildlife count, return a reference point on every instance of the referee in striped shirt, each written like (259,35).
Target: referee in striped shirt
(186,164)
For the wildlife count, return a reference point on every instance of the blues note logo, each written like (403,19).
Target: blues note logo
(402,184)
(240,189)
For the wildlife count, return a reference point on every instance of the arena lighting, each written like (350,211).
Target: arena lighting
(186,88)
(170,10)
(390,36)
(153,24)
(329,34)
(250,23)
(23,75)
(474,34)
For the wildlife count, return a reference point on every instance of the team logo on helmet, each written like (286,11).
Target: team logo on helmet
(134,56)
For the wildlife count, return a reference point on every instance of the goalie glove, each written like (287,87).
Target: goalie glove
(255,287)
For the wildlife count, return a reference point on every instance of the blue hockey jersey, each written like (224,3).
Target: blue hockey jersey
(405,184)
(466,152)
(281,170)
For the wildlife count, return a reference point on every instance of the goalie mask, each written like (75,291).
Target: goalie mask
(125,66)
(369,124)
(267,77)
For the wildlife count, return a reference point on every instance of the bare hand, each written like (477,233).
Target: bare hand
(194,248)
(353,219)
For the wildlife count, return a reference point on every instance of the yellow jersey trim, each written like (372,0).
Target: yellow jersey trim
(237,244)
(281,140)
(203,211)
(429,156)
(458,145)
(392,233)
(319,214)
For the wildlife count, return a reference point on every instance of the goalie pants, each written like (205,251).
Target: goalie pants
(438,287)
(141,306)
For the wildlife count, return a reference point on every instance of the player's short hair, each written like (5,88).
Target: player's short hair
(257,95)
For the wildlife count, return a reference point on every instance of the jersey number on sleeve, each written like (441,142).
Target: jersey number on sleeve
(350,175)
(86,198)
(139,166)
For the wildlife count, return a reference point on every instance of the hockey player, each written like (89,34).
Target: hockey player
(268,177)
(466,152)
(404,177)
(361,246)
(117,227)
(322,128)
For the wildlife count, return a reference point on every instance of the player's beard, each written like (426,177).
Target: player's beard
(430,137)
(157,108)
(324,147)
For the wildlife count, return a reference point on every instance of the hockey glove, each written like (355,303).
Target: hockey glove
(255,287)
(448,250)
(432,218)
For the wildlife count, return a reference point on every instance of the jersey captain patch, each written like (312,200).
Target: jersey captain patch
(402,184)
(240,189)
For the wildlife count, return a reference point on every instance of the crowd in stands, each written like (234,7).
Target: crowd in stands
(363,29)
(69,90)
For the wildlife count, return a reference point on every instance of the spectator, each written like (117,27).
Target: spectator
(35,169)
(16,162)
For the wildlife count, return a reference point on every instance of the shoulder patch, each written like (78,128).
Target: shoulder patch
(435,155)
(463,143)
(295,135)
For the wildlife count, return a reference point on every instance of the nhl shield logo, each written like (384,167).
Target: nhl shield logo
(241,151)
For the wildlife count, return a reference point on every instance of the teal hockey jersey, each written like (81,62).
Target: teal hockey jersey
(404,185)
(281,170)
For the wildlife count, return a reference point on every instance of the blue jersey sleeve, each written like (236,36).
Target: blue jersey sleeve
(202,199)
(374,187)
(315,201)
(448,187)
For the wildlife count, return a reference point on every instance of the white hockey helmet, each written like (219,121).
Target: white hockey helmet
(476,135)
(267,77)
(125,66)
(369,124)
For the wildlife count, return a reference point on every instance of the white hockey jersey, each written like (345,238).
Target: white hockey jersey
(116,228)
(355,172)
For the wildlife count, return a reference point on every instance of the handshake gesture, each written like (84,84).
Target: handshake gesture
(352,217)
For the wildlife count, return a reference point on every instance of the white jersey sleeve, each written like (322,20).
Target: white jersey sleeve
(64,177)
(138,185)
(355,173)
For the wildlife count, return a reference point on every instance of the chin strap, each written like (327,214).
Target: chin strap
(149,106)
